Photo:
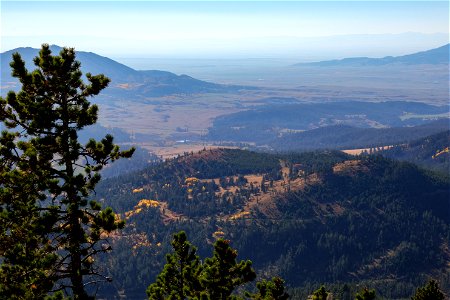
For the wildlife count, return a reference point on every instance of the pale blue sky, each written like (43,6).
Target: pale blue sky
(213,29)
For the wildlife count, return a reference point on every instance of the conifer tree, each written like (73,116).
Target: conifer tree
(430,291)
(42,145)
(219,277)
(26,257)
(179,278)
(366,294)
(320,294)
(222,274)
(270,290)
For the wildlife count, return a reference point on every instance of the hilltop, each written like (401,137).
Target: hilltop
(310,217)
(125,80)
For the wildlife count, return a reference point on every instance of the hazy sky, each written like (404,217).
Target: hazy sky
(213,29)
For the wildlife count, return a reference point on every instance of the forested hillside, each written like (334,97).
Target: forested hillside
(431,152)
(330,125)
(348,137)
(309,218)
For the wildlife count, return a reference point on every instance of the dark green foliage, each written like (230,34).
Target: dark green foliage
(222,274)
(270,290)
(423,152)
(347,137)
(57,296)
(180,277)
(218,277)
(377,217)
(430,291)
(320,294)
(56,172)
(366,294)
(226,162)
(27,259)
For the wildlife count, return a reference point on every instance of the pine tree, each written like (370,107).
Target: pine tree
(320,294)
(27,260)
(219,277)
(366,294)
(430,291)
(43,120)
(270,290)
(179,278)
(222,274)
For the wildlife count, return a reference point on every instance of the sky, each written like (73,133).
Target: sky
(226,29)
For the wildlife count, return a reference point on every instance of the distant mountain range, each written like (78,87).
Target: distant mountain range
(149,83)
(434,56)
(156,83)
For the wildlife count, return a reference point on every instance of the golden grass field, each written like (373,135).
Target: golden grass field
(362,150)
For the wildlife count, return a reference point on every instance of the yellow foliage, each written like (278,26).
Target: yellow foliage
(142,204)
(219,233)
(445,150)
(147,203)
(189,191)
(239,215)
(191,181)
(138,190)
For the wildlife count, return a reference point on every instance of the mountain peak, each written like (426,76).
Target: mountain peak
(91,62)
(148,83)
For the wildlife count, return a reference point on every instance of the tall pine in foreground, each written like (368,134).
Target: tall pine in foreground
(27,259)
(47,176)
